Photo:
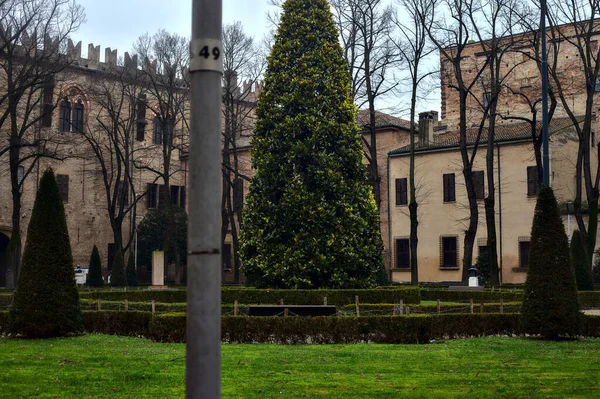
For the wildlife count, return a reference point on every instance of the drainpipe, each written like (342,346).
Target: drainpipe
(499,212)
(389,221)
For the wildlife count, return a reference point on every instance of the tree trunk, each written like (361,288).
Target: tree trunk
(412,207)
(490,200)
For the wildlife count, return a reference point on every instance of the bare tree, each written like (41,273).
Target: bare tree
(414,49)
(366,28)
(575,23)
(33,41)
(449,27)
(165,58)
(111,133)
(241,60)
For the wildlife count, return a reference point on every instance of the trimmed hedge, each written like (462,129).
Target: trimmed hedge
(3,322)
(268,296)
(458,296)
(131,323)
(589,299)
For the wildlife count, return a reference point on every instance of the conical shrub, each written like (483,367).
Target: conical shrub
(46,301)
(583,274)
(310,219)
(550,303)
(94,278)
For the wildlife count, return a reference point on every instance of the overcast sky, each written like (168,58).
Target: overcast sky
(118,23)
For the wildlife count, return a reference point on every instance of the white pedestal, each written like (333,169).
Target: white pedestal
(158,268)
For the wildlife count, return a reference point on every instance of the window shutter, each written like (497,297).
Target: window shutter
(401,192)
(175,195)
(63,187)
(162,193)
(65,116)
(402,253)
(77,121)
(478,182)
(449,188)
(238,195)
(183,197)
(533,187)
(151,195)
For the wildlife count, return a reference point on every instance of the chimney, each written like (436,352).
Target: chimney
(427,120)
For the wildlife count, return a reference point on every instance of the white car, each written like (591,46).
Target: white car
(81,275)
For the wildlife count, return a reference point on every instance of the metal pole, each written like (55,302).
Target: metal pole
(203,352)
(546,155)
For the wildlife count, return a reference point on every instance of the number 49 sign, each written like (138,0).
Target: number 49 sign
(206,55)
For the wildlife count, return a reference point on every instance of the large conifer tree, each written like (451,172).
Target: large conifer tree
(550,303)
(46,301)
(310,219)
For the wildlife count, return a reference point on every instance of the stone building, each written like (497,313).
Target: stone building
(79,175)
(443,205)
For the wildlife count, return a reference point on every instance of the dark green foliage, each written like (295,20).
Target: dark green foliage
(130,323)
(550,302)
(131,273)
(310,220)
(152,235)
(269,296)
(583,275)
(464,296)
(94,278)
(46,302)
(596,270)
(483,268)
(118,277)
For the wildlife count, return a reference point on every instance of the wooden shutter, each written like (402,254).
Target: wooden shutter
(141,118)
(401,192)
(238,195)
(478,182)
(402,253)
(226,257)
(449,251)
(65,116)
(162,193)
(175,195)
(533,187)
(182,198)
(63,187)
(151,195)
(449,188)
(524,254)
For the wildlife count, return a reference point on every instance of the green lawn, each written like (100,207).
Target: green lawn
(121,367)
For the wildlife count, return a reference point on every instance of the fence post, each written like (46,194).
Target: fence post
(501,305)
(325,300)
(438,306)
(285,312)
(401,306)
(153,307)
(408,310)
(281,301)
(357,308)
(471,304)
(126,305)
(99,304)
(395,310)
(235,307)
(481,310)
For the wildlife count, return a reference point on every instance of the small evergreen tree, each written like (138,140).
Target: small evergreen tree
(94,278)
(131,272)
(310,220)
(550,303)
(596,269)
(583,275)
(118,278)
(46,301)
(483,268)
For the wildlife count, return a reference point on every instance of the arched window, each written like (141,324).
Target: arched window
(65,116)
(157,131)
(77,121)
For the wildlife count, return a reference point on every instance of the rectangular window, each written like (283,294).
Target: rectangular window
(533,186)
(162,193)
(157,132)
(123,194)
(487,99)
(175,195)
(141,118)
(524,254)
(401,192)
(238,195)
(227,257)
(151,195)
(65,116)
(20,177)
(449,188)
(449,252)
(47,105)
(478,182)
(63,187)
(402,253)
